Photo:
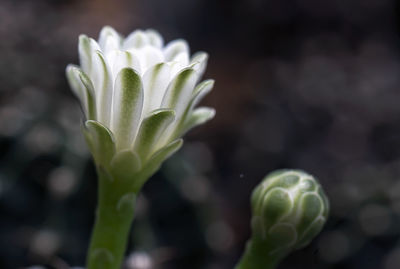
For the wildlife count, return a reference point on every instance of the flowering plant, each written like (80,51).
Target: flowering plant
(139,97)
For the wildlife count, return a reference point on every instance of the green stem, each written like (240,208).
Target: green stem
(256,256)
(114,216)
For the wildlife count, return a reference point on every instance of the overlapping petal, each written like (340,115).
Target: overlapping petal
(138,96)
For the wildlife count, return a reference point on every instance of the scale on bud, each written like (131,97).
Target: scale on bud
(289,208)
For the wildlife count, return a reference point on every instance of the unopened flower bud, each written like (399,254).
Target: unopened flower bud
(289,208)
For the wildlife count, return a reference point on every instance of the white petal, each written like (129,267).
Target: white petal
(176,67)
(124,59)
(199,62)
(87,48)
(174,48)
(179,91)
(136,39)
(155,83)
(155,39)
(102,82)
(177,97)
(199,93)
(148,57)
(127,107)
(109,39)
(83,89)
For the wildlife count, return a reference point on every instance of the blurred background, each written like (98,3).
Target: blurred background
(306,84)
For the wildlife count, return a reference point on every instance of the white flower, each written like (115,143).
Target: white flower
(138,95)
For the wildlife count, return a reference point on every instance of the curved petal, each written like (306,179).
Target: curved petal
(124,59)
(182,58)
(199,62)
(83,89)
(155,81)
(199,93)
(109,39)
(175,47)
(102,82)
(198,116)
(180,91)
(155,39)
(148,57)
(151,130)
(87,47)
(127,107)
(136,39)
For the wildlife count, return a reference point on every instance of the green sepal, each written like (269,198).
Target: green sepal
(100,141)
(125,165)
(278,204)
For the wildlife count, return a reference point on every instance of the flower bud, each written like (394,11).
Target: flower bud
(289,209)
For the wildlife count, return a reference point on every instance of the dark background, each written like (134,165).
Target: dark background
(306,84)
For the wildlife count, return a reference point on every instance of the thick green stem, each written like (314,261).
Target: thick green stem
(114,217)
(256,256)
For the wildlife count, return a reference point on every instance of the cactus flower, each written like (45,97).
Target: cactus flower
(138,97)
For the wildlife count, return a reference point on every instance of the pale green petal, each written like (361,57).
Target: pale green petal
(155,81)
(101,141)
(151,130)
(127,107)
(74,82)
(90,96)
(199,116)
(200,92)
(83,89)
(180,91)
